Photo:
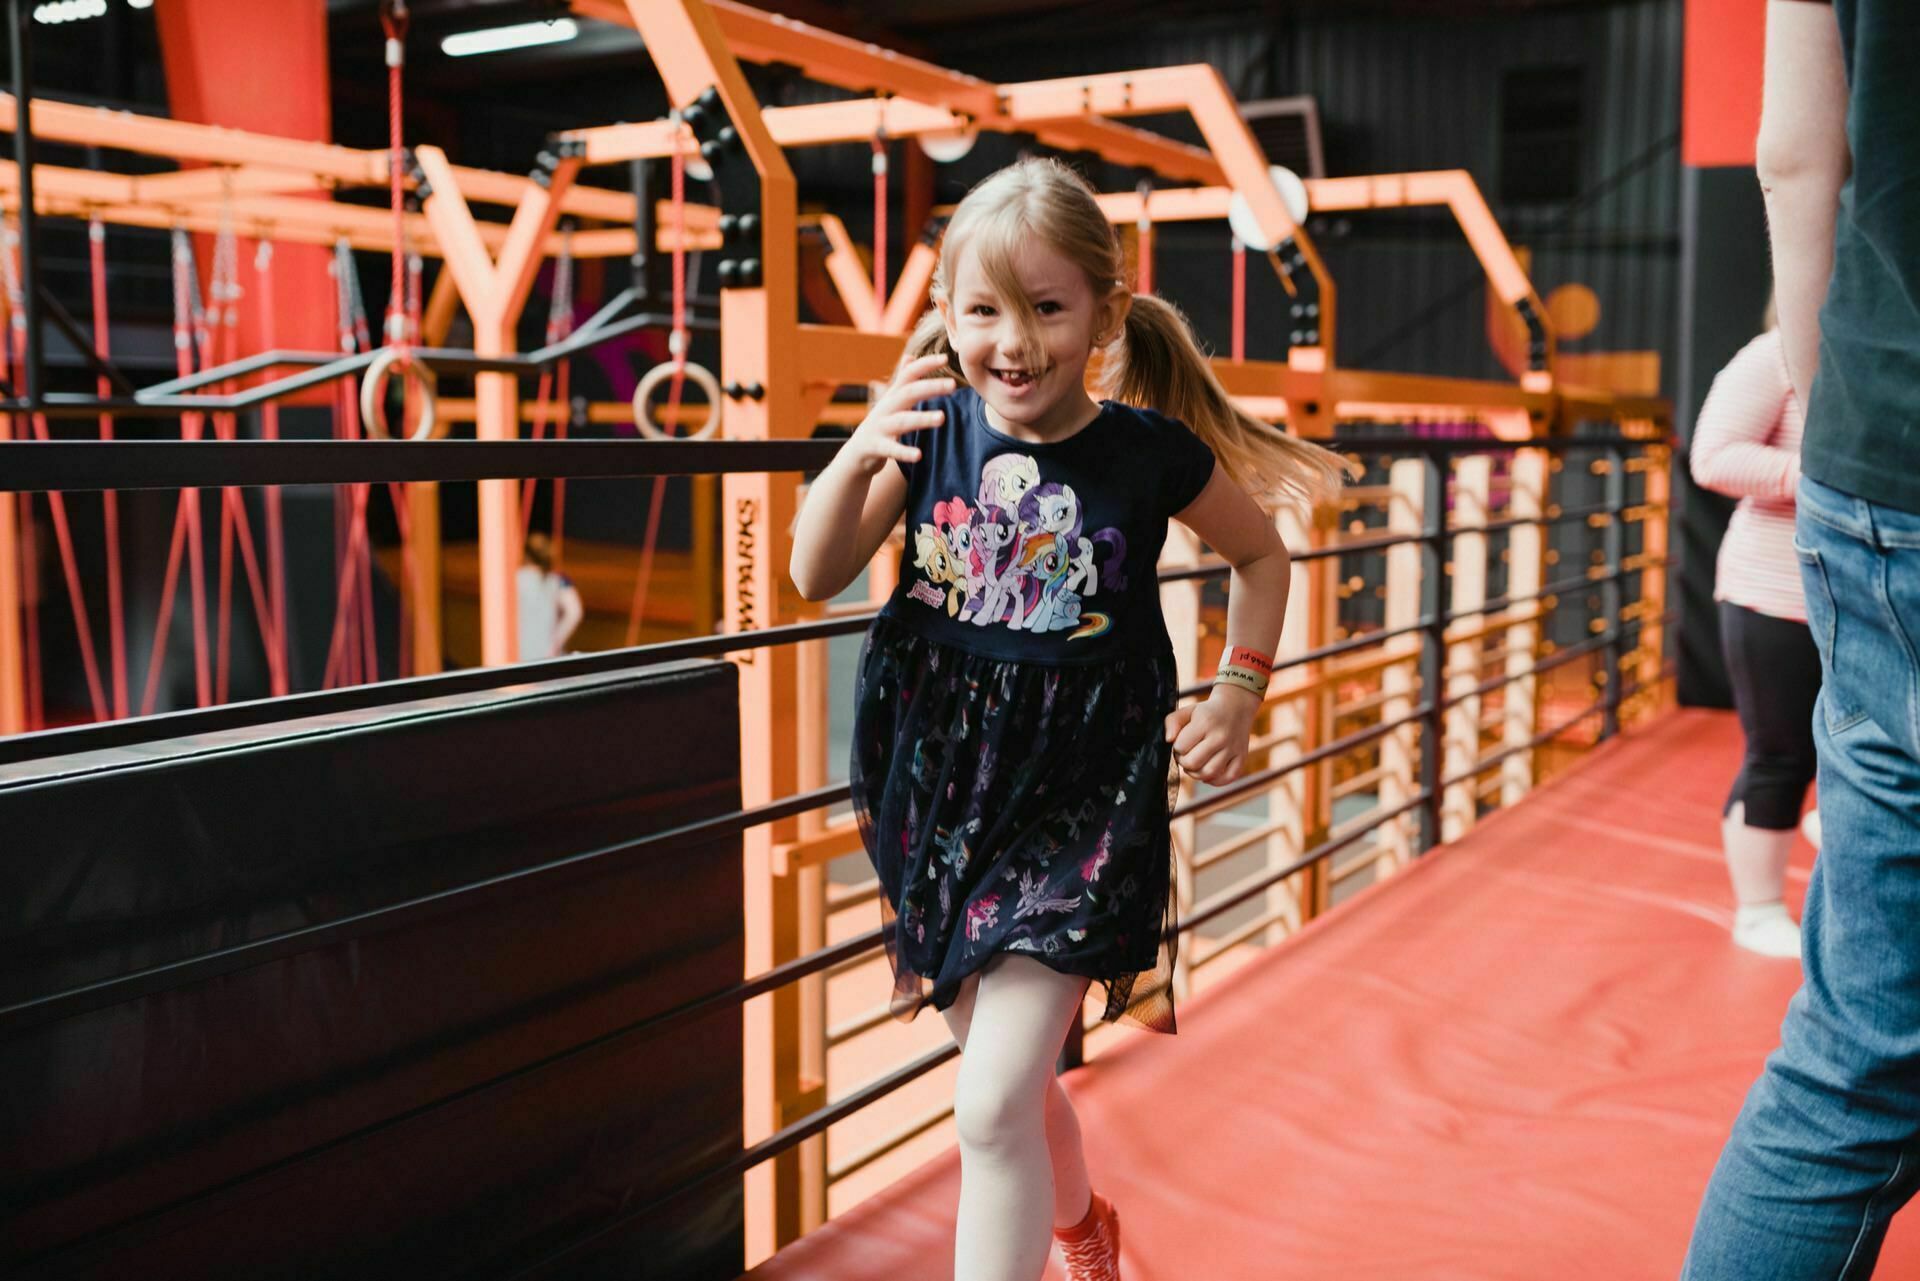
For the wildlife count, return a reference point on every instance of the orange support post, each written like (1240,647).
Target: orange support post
(494,291)
(759,343)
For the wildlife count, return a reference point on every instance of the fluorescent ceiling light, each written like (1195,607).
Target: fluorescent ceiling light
(521,35)
(69,11)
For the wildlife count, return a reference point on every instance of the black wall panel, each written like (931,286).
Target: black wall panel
(336,998)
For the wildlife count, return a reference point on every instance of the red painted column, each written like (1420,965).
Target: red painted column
(259,65)
(1720,104)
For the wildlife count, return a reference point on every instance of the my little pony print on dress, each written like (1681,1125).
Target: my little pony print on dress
(1018,557)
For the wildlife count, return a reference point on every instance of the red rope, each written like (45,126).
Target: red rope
(880,221)
(677,346)
(343,654)
(26,560)
(69,565)
(349,503)
(63,537)
(191,428)
(398,493)
(276,528)
(343,336)
(1239,300)
(393,21)
(211,335)
(352,652)
(402,331)
(563,395)
(157,658)
(24,634)
(30,597)
(217,331)
(1143,275)
(116,594)
(368,655)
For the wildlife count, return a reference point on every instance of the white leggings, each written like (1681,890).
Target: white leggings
(1021,1169)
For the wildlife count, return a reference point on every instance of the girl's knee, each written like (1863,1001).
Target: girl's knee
(995,1113)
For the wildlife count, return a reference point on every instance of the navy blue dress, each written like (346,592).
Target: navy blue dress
(1010,770)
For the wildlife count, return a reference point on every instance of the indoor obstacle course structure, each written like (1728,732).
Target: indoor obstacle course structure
(1445,705)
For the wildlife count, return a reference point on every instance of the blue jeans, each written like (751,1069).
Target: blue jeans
(1827,1147)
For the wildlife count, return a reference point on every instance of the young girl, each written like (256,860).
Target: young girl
(1016,722)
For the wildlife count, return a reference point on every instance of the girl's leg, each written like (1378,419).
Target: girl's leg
(1072,1186)
(1010,1024)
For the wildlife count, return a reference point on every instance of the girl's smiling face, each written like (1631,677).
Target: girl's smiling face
(1029,369)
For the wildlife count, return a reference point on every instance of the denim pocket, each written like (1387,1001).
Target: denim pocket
(1901,582)
(1824,621)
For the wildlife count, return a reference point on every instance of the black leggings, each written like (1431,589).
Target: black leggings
(1775,671)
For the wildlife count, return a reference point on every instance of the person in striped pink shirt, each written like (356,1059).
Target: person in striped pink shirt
(1746,444)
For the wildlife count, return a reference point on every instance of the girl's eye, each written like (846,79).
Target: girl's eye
(980,309)
(1048,308)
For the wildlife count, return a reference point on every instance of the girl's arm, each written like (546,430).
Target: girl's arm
(845,517)
(1732,450)
(1210,738)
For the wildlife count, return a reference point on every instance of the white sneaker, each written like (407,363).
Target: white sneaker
(1810,827)
(1767,929)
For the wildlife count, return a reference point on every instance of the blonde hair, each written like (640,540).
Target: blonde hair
(1153,361)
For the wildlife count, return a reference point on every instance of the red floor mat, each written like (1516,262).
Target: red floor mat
(1515,1062)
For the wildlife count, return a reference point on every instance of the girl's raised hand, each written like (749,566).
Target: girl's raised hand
(876,441)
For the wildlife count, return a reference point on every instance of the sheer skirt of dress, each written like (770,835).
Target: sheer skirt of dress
(1018,807)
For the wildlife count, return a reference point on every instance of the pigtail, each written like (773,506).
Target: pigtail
(1157,365)
(929,338)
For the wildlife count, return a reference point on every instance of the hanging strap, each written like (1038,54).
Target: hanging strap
(1239,300)
(393,21)
(880,214)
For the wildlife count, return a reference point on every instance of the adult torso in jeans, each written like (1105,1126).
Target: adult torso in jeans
(1863,416)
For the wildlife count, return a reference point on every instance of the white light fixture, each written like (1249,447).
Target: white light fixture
(521,35)
(139,4)
(59,11)
(945,148)
(1293,193)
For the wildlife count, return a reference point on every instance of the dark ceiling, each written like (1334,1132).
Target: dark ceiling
(924,27)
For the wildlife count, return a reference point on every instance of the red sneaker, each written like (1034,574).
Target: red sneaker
(1092,1246)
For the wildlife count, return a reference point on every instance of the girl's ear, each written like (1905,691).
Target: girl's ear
(946,318)
(1112,316)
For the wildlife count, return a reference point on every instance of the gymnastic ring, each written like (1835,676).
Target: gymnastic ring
(373,409)
(695,374)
